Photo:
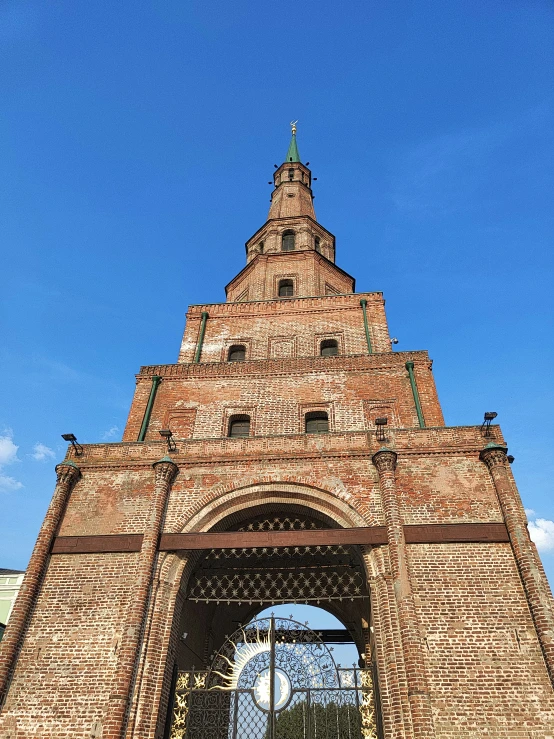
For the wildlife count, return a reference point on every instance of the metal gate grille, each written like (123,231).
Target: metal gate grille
(274,679)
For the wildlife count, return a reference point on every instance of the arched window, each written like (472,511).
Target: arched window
(261,247)
(291,174)
(317,244)
(237,353)
(287,243)
(286,288)
(329,348)
(239,426)
(317,422)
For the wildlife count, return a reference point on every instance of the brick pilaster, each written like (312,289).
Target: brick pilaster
(67,475)
(395,711)
(120,696)
(532,575)
(412,647)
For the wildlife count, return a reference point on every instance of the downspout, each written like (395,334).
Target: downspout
(410,368)
(363,303)
(200,338)
(156,379)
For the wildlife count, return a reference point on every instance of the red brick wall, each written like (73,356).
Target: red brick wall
(63,678)
(305,320)
(486,671)
(276,394)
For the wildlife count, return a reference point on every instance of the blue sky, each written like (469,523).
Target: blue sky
(137,142)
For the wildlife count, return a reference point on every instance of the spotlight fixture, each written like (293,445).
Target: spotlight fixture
(73,441)
(486,425)
(394,340)
(380,424)
(167,434)
(510,458)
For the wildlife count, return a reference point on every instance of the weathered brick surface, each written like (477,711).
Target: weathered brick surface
(485,666)
(66,666)
(461,633)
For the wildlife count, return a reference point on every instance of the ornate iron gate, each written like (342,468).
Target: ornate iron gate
(274,679)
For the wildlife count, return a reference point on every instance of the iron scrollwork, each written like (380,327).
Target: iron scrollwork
(274,678)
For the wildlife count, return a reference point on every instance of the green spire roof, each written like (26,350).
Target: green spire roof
(292,153)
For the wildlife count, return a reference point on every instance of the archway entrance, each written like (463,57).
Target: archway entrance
(236,677)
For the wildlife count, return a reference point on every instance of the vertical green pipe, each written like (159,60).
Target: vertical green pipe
(156,379)
(410,368)
(363,303)
(200,338)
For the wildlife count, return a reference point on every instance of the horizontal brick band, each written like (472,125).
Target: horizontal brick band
(456,532)
(97,544)
(370,535)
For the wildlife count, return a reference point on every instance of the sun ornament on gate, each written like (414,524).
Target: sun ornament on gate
(302,660)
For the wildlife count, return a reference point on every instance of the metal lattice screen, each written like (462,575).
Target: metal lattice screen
(278,574)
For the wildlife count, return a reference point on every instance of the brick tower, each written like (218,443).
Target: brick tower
(288,456)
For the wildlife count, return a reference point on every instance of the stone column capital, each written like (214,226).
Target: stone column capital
(67,472)
(494,455)
(166,470)
(385,460)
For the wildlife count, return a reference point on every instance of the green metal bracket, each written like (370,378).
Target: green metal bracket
(200,341)
(410,368)
(363,303)
(156,379)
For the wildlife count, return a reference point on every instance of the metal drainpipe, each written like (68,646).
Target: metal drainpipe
(363,303)
(156,379)
(200,338)
(410,368)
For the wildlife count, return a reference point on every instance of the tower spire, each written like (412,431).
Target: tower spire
(292,153)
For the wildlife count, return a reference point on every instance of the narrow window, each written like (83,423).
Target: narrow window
(261,247)
(317,244)
(287,243)
(329,348)
(239,426)
(286,289)
(237,353)
(291,174)
(317,422)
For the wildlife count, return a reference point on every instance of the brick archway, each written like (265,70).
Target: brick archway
(174,569)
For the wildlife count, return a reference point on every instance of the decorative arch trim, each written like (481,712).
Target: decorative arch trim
(341,507)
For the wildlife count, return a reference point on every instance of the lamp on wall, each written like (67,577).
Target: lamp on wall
(486,425)
(73,441)
(167,434)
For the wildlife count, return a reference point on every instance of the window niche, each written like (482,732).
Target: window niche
(329,348)
(316,422)
(236,353)
(287,241)
(286,289)
(239,426)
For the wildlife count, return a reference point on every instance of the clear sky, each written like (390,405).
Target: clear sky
(137,143)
